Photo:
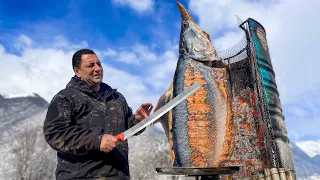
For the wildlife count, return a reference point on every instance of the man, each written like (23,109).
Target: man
(83,120)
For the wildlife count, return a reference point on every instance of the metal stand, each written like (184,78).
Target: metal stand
(212,173)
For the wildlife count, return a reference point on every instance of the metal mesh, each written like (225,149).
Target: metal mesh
(235,53)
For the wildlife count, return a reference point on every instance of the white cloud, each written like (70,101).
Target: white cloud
(139,6)
(127,57)
(132,86)
(216,16)
(110,52)
(161,74)
(228,40)
(61,42)
(47,70)
(135,54)
(23,41)
(44,71)
(144,52)
(302,119)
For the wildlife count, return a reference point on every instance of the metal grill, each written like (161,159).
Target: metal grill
(264,108)
(236,53)
(240,52)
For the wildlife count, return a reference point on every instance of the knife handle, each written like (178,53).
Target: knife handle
(120,137)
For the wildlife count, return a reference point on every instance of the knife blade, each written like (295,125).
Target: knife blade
(156,115)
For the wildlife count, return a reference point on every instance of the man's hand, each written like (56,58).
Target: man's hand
(108,142)
(143,111)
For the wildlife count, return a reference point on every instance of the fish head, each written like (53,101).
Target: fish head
(194,41)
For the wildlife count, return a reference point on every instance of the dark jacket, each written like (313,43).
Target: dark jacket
(77,118)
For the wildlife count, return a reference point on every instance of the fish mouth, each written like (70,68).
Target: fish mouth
(185,16)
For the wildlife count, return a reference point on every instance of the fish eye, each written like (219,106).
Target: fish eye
(185,24)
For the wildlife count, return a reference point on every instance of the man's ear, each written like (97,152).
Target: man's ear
(76,71)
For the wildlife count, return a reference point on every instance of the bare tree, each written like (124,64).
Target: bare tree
(32,158)
(23,151)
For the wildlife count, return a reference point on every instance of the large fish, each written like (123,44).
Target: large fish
(221,124)
(198,128)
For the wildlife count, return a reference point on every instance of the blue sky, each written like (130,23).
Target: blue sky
(137,42)
(102,23)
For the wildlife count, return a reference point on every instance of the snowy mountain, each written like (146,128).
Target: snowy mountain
(23,149)
(304,165)
(17,109)
(316,158)
(312,148)
(22,118)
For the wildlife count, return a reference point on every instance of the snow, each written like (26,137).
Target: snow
(19,95)
(313,177)
(311,148)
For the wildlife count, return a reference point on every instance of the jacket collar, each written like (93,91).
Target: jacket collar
(81,85)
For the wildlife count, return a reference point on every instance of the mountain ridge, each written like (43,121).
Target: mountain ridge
(16,109)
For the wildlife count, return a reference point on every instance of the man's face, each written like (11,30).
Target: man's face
(90,69)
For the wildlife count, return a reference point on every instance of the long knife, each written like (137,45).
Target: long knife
(156,115)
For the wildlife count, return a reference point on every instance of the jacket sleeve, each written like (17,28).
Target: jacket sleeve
(63,135)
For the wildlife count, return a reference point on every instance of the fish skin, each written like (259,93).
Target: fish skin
(216,116)
(196,52)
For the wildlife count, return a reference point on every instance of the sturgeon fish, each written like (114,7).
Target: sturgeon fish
(197,128)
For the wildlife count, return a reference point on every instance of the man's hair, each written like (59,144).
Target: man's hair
(76,59)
